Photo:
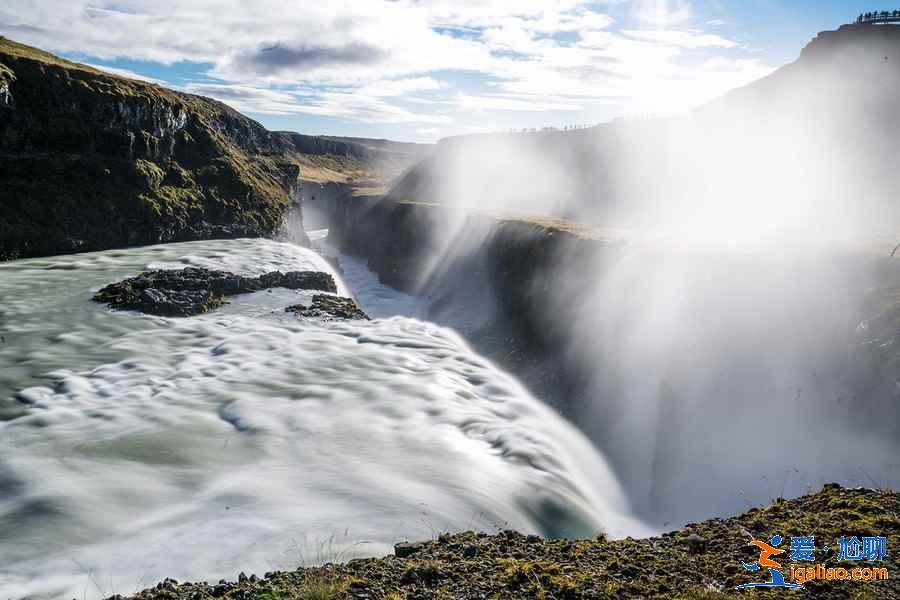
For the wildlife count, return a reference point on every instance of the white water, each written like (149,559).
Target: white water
(141,447)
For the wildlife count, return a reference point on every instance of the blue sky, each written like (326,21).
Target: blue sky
(425,69)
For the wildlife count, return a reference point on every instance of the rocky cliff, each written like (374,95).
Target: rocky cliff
(581,314)
(89,161)
(503,269)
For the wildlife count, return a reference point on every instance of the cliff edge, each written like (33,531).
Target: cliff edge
(89,161)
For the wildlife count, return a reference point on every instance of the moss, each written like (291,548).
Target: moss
(543,578)
(150,171)
(322,586)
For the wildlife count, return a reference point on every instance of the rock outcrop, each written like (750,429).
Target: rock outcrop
(328,307)
(193,290)
(89,161)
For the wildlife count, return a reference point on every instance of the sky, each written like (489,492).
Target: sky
(420,70)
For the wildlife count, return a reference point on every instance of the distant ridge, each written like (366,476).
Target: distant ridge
(822,131)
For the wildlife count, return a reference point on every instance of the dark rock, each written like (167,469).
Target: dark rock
(182,304)
(300,280)
(359,590)
(329,307)
(194,290)
(405,549)
(695,543)
(470,550)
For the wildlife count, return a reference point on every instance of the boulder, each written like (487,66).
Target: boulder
(329,307)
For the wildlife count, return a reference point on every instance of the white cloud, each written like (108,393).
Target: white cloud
(401,87)
(682,39)
(349,105)
(127,74)
(246,98)
(506,102)
(372,61)
(662,14)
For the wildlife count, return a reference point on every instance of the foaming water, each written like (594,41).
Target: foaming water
(139,447)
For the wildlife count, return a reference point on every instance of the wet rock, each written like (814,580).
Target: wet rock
(170,302)
(298,280)
(329,307)
(194,290)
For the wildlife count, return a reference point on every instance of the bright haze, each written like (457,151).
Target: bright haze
(425,70)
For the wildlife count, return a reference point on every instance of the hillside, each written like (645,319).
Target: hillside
(701,561)
(90,160)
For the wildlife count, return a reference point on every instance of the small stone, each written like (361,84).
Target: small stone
(404,549)
(533,539)
(470,550)
(695,543)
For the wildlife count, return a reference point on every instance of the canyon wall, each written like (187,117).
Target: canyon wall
(89,160)
(665,356)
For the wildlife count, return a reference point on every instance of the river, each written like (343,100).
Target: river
(137,447)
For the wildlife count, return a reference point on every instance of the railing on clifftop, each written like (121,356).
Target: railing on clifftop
(884,16)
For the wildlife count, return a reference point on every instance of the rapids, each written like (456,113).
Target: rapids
(137,447)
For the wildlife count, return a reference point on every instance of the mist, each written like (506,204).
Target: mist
(720,327)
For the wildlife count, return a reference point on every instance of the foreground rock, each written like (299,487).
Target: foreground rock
(701,561)
(193,290)
(329,307)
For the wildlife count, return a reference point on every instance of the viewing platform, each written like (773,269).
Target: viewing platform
(879,17)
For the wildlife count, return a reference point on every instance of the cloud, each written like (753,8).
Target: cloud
(388,61)
(682,39)
(248,98)
(286,59)
(342,104)
(126,73)
(662,14)
(508,102)
(401,87)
